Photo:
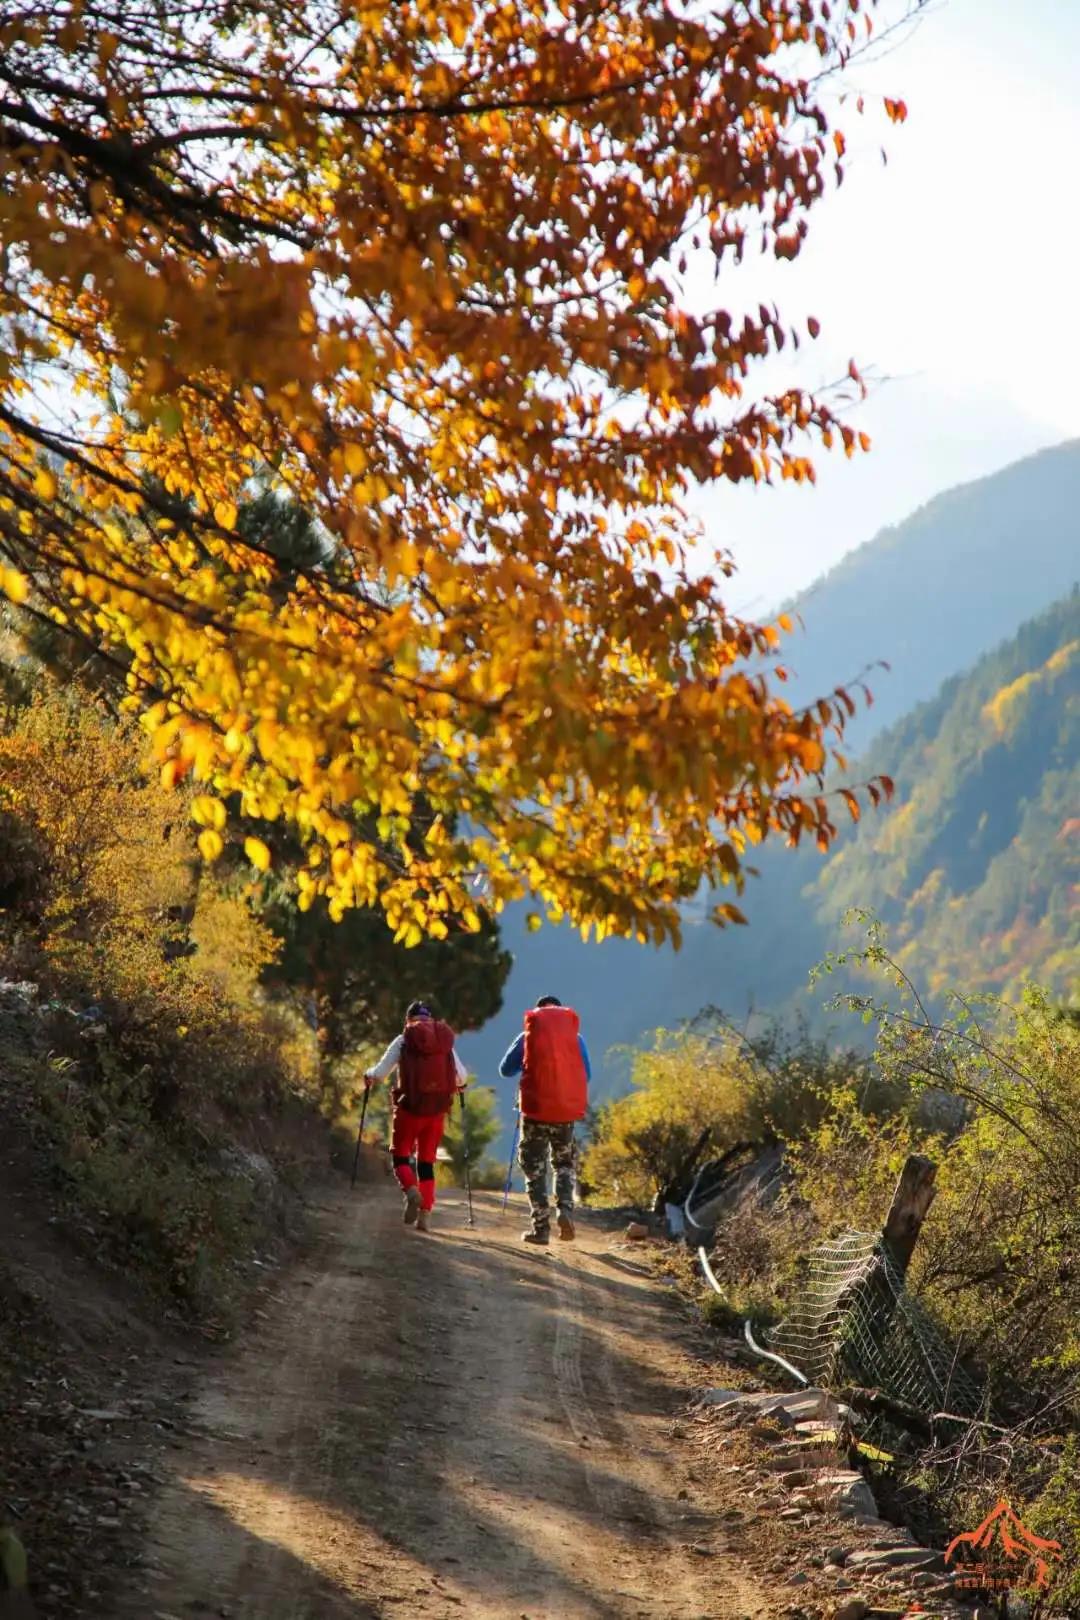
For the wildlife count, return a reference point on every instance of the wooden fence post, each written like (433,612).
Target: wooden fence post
(911,1200)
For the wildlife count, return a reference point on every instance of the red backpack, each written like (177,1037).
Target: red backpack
(427,1073)
(554,1087)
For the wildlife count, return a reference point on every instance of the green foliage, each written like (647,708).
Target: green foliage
(997,1261)
(12,1562)
(286,531)
(482,1127)
(974,864)
(709,1077)
(1055,1513)
(164,1199)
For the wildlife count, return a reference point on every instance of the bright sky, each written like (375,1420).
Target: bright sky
(953,272)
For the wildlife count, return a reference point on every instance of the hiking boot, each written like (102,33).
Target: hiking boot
(423,1221)
(412,1206)
(566,1226)
(537,1234)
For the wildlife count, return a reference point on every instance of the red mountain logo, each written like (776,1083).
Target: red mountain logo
(1001,1551)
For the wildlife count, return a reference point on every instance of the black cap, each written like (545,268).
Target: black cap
(549,1001)
(418,1009)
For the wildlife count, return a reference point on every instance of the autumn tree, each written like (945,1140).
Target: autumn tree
(421,268)
(354,978)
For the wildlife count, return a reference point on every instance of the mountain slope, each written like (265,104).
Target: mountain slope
(935,592)
(933,595)
(977,867)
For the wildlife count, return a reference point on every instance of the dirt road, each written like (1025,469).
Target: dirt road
(440,1426)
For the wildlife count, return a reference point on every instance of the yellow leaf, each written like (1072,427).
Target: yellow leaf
(225,514)
(210,844)
(45,484)
(208,811)
(13,584)
(257,853)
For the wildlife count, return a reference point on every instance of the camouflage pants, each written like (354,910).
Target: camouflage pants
(541,1146)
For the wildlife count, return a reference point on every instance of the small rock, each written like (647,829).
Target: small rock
(853,1609)
(844,1492)
(897,1558)
(837,1555)
(722,1397)
(798,1579)
(636,1231)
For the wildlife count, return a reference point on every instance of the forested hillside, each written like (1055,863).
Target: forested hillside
(976,868)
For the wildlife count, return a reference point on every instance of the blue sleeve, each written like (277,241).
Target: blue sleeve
(514,1059)
(585,1057)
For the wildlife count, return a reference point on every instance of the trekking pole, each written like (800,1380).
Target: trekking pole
(510,1166)
(465,1145)
(360,1134)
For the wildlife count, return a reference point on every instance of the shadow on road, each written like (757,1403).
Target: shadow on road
(434,1425)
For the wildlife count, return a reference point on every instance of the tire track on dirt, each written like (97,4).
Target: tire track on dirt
(601,1406)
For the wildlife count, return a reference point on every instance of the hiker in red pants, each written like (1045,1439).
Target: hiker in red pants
(429,1076)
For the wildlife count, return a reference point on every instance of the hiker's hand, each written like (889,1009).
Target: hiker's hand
(369,1081)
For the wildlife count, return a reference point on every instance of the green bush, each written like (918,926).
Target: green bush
(776,1084)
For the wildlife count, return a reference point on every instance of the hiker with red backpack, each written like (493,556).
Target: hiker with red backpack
(429,1076)
(552,1059)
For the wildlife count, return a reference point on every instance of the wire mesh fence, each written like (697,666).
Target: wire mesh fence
(855,1322)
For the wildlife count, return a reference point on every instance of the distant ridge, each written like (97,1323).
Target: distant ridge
(931,594)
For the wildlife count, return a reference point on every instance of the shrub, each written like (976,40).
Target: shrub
(104,905)
(709,1076)
(483,1126)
